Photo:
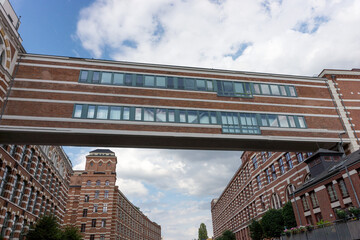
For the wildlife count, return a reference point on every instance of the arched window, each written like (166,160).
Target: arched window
(107,182)
(290,189)
(88,183)
(5,180)
(275,201)
(2,52)
(98,183)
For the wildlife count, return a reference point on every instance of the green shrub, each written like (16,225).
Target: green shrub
(341,214)
(355,211)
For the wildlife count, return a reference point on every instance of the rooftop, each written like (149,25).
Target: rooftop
(102,152)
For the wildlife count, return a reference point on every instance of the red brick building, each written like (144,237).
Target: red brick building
(34,180)
(331,186)
(264,180)
(100,209)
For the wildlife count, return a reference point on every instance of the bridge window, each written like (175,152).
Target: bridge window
(221,87)
(231,122)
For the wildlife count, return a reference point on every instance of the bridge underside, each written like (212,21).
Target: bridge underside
(166,142)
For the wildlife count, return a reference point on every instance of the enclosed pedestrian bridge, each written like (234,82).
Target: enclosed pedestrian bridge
(70,101)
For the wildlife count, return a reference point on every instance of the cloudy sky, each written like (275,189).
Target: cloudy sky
(300,37)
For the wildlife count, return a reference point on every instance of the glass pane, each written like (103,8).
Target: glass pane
(118,79)
(254,120)
(102,112)
(96,77)
(170,82)
(77,111)
(292,121)
(248,120)
(283,90)
(115,113)
(126,113)
(275,89)
(292,91)
(209,85)
(213,117)
(239,88)
(182,116)
(181,83)
(302,122)
(192,117)
(247,88)
(204,117)
(149,114)
(256,89)
(84,76)
(161,115)
(128,79)
(106,78)
(265,89)
(189,84)
(139,80)
(243,119)
(160,81)
(230,119)
(138,113)
(149,81)
(235,118)
(228,87)
(171,115)
(264,121)
(283,121)
(91,112)
(200,85)
(224,118)
(273,120)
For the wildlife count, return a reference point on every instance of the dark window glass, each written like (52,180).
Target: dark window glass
(189,84)
(170,82)
(181,84)
(139,80)
(96,77)
(84,76)
(128,79)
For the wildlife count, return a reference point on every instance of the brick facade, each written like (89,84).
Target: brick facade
(34,180)
(100,209)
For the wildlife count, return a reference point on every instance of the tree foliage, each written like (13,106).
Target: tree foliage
(47,228)
(227,235)
(289,216)
(256,231)
(272,223)
(203,232)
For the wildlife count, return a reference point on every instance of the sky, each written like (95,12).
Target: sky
(299,37)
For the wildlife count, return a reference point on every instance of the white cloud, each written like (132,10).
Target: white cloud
(296,37)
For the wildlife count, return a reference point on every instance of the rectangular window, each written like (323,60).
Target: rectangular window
(265,89)
(299,157)
(160,115)
(258,179)
(96,77)
(128,79)
(192,117)
(332,193)
(281,166)
(283,121)
(301,122)
(77,111)
(91,111)
(204,117)
(115,113)
(267,174)
(292,91)
(160,82)
(314,200)
(85,212)
(97,193)
(84,76)
(282,90)
(106,195)
(273,172)
(102,112)
(118,79)
(209,85)
(105,207)
(213,118)
(126,113)
(343,189)
(171,115)
(200,85)
(106,78)
(305,203)
(275,89)
(264,121)
(254,160)
(103,223)
(93,223)
(86,198)
(149,114)
(292,121)
(92,237)
(257,89)
(95,208)
(139,80)
(189,83)
(149,81)
(83,227)
(170,82)
(273,121)
(289,161)
(138,114)
(182,116)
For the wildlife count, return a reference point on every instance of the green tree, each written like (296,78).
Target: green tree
(256,231)
(227,235)
(46,228)
(71,233)
(203,232)
(272,223)
(289,216)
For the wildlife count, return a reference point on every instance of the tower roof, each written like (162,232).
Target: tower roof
(102,152)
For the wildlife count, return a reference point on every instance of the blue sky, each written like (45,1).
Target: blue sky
(175,187)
